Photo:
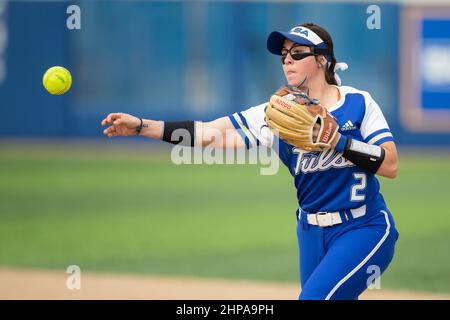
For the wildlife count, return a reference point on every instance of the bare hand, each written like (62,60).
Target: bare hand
(121,125)
(316,131)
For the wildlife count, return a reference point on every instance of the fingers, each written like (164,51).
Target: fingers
(110,131)
(111,118)
(316,131)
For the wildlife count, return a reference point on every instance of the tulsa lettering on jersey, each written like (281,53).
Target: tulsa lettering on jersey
(308,162)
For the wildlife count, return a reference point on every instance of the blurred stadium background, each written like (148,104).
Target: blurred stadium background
(70,196)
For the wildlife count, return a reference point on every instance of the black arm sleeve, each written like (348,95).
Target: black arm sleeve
(179,132)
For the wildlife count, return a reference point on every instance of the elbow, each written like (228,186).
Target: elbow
(388,170)
(389,167)
(391,171)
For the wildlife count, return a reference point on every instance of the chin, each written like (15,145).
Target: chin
(295,81)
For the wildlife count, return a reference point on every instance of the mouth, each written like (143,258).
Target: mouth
(290,72)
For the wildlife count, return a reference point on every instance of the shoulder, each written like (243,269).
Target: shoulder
(358,99)
(347,90)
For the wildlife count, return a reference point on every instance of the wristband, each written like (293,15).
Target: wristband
(366,156)
(139,128)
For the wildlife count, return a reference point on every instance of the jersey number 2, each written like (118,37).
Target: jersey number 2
(360,185)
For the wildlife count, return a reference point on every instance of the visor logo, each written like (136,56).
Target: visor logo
(300,30)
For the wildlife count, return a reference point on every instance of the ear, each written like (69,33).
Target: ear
(323,61)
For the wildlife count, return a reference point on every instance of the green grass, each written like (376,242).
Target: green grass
(136,212)
(419,199)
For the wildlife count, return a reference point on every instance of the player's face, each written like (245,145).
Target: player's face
(298,71)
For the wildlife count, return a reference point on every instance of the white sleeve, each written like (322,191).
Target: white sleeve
(252,127)
(374,127)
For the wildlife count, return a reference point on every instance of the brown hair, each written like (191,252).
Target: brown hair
(325,36)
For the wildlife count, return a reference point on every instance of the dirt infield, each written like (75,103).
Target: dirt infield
(42,284)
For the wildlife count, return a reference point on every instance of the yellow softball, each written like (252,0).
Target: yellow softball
(57,80)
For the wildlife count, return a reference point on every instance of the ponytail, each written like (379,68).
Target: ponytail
(330,76)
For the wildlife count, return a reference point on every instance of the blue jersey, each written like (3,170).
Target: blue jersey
(325,181)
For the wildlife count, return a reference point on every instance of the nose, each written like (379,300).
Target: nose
(288,59)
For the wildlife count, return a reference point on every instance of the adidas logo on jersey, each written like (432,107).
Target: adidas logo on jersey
(348,126)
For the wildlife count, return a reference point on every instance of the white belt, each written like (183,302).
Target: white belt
(328,219)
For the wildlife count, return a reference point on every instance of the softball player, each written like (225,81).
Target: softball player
(346,233)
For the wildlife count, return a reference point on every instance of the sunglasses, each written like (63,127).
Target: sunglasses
(298,53)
